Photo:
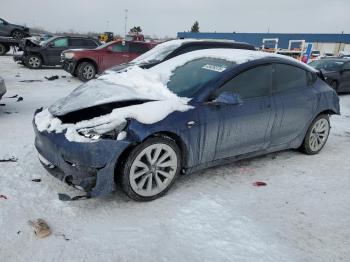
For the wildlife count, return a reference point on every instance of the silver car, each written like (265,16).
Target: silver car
(2,87)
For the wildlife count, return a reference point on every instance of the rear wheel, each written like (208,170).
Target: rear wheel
(86,71)
(34,61)
(151,169)
(317,135)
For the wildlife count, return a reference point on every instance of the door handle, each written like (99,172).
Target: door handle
(190,124)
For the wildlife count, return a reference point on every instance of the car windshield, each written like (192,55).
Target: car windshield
(186,80)
(158,53)
(43,43)
(105,45)
(328,65)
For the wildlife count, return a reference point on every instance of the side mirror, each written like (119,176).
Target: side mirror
(50,44)
(109,48)
(227,98)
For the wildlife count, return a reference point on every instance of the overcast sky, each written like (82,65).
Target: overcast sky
(163,17)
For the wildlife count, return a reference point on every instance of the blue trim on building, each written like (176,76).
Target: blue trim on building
(256,38)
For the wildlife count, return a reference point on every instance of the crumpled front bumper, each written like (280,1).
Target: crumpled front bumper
(69,65)
(88,166)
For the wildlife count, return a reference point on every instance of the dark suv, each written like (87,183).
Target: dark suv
(11,30)
(172,48)
(48,52)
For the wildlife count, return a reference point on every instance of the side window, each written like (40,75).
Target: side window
(346,66)
(76,42)
(139,48)
(1,22)
(289,77)
(255,82)
(120,48)
(61,42)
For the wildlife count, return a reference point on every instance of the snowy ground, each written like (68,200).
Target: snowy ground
(302,214)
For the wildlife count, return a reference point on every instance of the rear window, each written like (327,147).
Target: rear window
(289,77)
(120,48)
(189,78)
(82,42)
(139,48)
(328,65)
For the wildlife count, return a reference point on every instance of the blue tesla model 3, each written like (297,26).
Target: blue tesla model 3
(143,127)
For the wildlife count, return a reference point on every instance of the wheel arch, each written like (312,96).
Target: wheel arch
(170,135)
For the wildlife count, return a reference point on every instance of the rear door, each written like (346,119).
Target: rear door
(239,129)
(76,43)
(295,102)
(54,49)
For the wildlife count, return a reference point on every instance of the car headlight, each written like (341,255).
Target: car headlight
(69,55)
(102,131)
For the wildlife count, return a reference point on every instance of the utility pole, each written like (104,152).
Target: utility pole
(126,22)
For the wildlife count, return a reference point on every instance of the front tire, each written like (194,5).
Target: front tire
(151,169)
(317,135)
(34,62)
(86,71)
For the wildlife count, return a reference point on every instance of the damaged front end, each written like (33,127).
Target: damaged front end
(86,166)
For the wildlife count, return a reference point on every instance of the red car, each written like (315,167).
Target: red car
(86,63)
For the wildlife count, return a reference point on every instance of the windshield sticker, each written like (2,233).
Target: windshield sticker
(215,68)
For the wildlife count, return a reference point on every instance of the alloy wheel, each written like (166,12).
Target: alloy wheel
(153,169)
(34,62)
(319,134)
(88,72)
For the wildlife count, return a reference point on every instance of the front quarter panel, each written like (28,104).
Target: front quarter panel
(174,124)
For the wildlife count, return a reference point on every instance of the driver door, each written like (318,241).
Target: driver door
(235,129)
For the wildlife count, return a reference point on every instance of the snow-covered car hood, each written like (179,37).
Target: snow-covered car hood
(132,84)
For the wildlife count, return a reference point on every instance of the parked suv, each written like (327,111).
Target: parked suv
(48,52)
(11,30)
(85,64)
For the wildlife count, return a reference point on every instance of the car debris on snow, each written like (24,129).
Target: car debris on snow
(41,228)
(31,81)
(259,183)
(3,197)
(51,78)
(37,180)
(9,159)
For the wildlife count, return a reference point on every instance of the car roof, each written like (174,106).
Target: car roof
(237,56)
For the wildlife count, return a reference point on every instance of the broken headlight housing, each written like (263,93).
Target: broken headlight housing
(68,55)
(102,131)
